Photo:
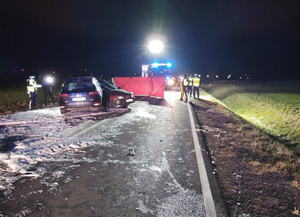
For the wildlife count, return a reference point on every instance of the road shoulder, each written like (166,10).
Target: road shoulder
(244,165)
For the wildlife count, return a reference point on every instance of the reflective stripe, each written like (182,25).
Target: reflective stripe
(196,82)
(31,85)
(30,88)
(185,82)
(191,81)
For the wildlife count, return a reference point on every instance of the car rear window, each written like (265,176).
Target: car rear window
(106,85)
(80,85)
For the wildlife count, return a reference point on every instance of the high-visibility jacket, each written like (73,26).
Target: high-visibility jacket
(196,82)
(191,81)
(31,85)
(185,82)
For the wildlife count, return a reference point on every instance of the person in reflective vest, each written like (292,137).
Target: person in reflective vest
(32,92)
(190,87)
(185,84)
(196,86)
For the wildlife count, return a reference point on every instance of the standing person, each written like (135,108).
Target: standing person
(190,87)
(185,83)
(32,91)
(196,86)
(47,86)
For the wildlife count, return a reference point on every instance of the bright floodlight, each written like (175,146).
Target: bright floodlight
(169,64)
(156,46)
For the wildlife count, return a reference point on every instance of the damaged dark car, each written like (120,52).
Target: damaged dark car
(114,97)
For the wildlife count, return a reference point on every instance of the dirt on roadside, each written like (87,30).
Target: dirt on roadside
(258,176)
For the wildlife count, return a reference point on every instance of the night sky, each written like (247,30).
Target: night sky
(260,38)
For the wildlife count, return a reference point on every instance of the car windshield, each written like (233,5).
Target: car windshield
(80,85)
(105,85)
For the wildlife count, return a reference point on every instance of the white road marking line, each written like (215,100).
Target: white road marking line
(207,195)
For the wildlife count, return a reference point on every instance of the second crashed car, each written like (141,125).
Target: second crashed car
(114,97)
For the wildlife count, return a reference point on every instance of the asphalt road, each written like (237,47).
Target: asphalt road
(142,164)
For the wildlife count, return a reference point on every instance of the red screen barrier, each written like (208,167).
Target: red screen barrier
(158,88)
(142,86)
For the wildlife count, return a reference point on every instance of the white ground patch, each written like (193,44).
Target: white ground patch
(37,136)
(181,202)
(43,135)
(187,203)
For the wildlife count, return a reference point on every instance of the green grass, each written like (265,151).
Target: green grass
(271,106)
(15,99)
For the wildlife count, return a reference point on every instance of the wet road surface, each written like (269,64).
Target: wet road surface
(140,164)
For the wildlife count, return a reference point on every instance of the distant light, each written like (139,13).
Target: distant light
(217,76)
(170,82)
(22,70)
(167,77)
(156,46)
(155,65)
(169,64)
(207,76)
(240,78)
(248,78)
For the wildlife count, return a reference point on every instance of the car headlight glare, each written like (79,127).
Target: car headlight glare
(170,82)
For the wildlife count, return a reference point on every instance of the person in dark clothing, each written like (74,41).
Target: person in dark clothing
(47,86)
(196,86)
(190,86)
(105,98)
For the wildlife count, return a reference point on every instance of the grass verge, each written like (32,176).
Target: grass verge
(258,174)
(14,99)
(271,106)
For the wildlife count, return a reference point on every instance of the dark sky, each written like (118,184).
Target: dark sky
(260,38)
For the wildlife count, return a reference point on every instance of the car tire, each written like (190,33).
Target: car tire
(63,111)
